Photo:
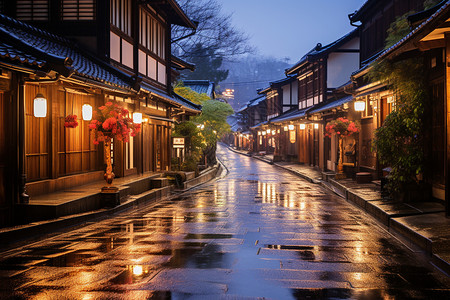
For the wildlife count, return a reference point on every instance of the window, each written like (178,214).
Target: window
(78,10)
(152,34)
(121,15)
(32,10)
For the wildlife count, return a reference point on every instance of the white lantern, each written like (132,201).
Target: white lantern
(263,133)
(302,126)
(316,126)
(291,127)
(259,132)
(87,112)
(40,106)
(285,128)
(268,130)
(137,118)
(360,105)
(273,132)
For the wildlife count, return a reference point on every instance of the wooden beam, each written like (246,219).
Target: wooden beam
(432,44)
(447,120)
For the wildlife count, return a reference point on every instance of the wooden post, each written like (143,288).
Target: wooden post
(447,122)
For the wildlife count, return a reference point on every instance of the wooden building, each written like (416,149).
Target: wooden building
(319,73)
(122,56)
(431,40)
(373,20)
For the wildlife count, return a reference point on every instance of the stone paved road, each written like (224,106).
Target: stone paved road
(257,232)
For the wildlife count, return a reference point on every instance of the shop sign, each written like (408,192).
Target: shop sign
(178,142)
(292,136)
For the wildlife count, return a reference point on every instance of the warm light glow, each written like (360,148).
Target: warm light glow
(285,128)
(137,270)
(302,126)
(268,130)
(40,106)
(263,133)
(137,118)
(360,105)
(273,132)
(87,112)
(316,126)
(291,127)
(259,132)
(278,130)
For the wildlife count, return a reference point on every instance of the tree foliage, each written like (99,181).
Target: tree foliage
(189,94)
(215,33)
(204,130)
(399,142)
(207,65)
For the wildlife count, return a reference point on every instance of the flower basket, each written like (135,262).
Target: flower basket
(112,122)
(342,127)
(71,121)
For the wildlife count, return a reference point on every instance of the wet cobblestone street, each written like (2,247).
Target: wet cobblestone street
(259,231)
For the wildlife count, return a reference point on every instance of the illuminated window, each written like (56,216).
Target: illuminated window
(78,9)
(32,10)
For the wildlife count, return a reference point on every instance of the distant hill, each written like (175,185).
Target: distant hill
(248,74)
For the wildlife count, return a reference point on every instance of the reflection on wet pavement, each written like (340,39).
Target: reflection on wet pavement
(257,232)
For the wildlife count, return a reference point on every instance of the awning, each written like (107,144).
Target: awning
(259,125)
(331,105)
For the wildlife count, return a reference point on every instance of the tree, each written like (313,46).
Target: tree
(214,32)
(207,65)
(205,129)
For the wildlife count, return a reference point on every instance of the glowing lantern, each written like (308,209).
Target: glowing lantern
(268,130)
(285,128)
(137,118)
(291,127)
(87,112)
(40,106)
(360,105)
(316,126)
(273,132)
(302,126)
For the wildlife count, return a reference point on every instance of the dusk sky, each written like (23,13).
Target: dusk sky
(290,28)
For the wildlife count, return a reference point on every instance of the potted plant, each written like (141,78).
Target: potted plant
(342,127)
(111,121)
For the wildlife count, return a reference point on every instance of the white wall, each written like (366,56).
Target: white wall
(341,65)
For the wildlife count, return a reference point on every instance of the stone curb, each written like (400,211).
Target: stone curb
(15,236)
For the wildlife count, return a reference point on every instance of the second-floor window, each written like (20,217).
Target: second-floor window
(32,10)
(121,15)
(78,10)
(152,34)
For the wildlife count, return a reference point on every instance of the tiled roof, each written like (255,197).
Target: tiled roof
(331,105)
(320,50)
(174,98)
(188,104)
(445,7)
(257,101)
(201,86)
(289,116)
(11,53)
(53,47)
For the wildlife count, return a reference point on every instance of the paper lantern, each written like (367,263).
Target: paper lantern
(137,118)
(86,112)
(40,106)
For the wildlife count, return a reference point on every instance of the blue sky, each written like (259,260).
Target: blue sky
(290,28)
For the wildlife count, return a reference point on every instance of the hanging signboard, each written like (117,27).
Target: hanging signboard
(292,136)
(178,142)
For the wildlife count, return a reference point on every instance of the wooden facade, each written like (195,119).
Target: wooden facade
(51,157)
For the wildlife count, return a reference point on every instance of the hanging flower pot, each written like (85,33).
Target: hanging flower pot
(71,121)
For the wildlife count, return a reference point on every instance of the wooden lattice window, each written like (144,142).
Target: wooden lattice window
(121,15)
(78,9)
(32,10)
